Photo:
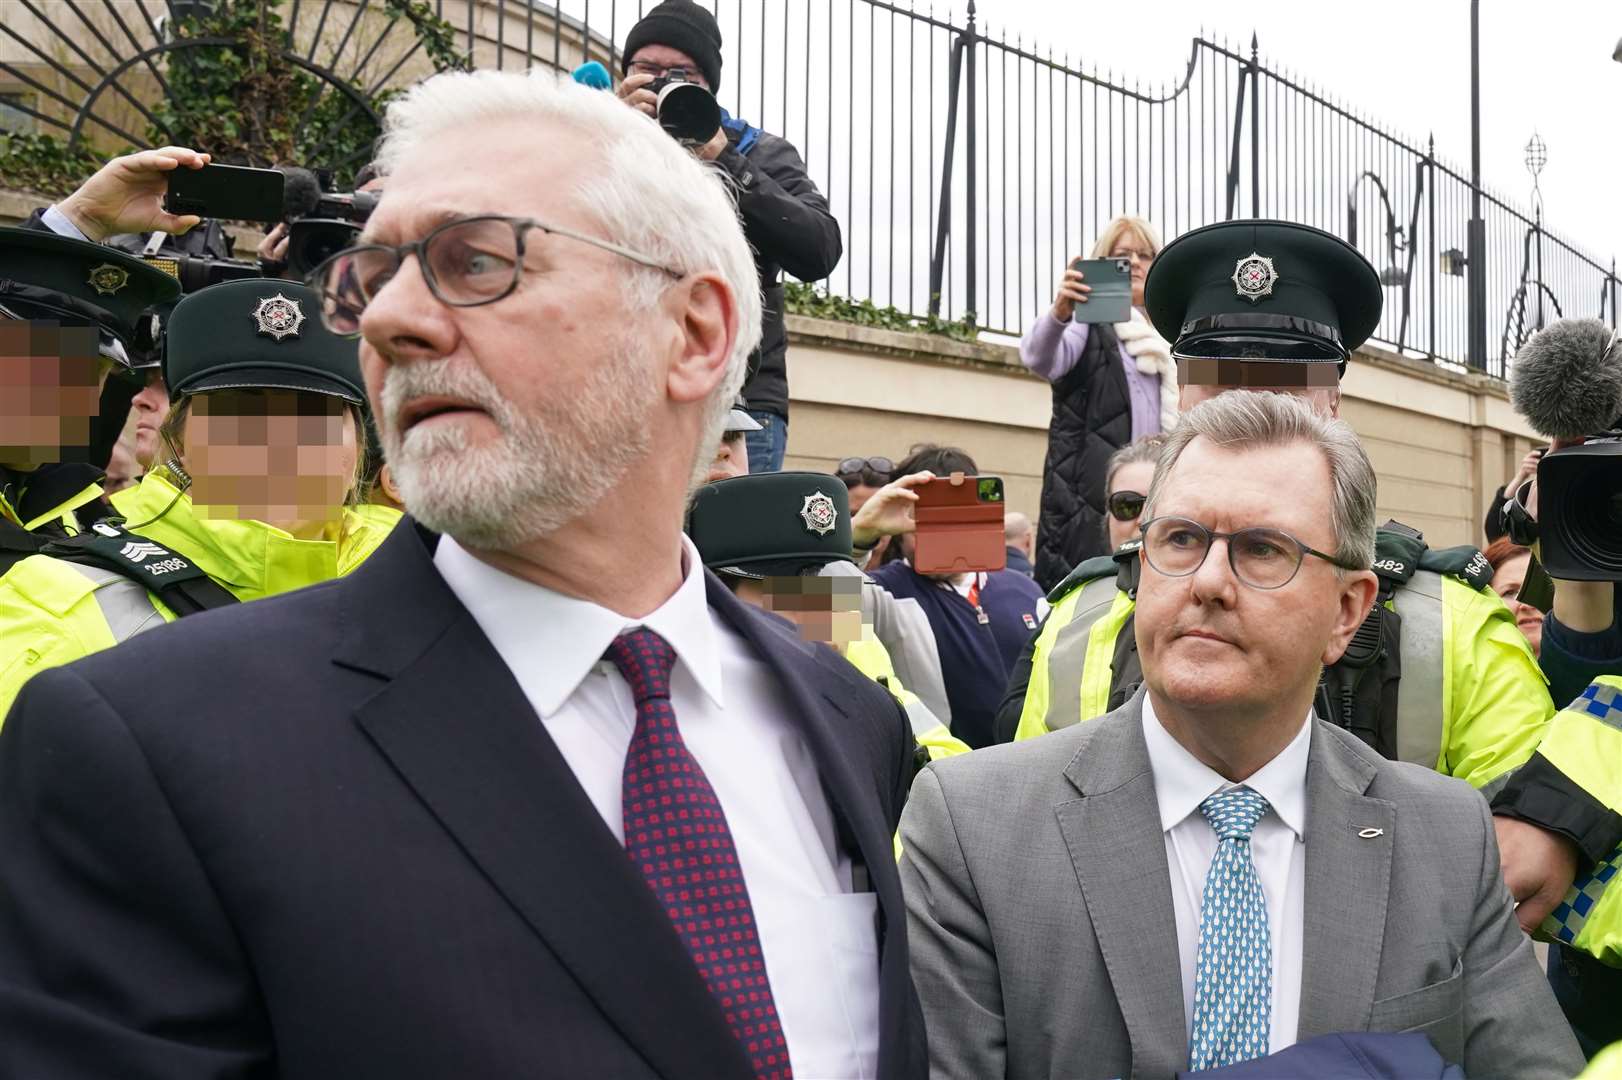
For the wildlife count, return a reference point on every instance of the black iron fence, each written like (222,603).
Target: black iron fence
(964,168)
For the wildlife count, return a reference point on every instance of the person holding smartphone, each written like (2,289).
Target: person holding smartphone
(1112,383)
(981,620)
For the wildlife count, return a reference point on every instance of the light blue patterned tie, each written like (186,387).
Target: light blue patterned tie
(1233,976)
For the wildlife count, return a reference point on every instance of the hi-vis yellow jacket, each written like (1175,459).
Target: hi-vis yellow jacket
(53,612)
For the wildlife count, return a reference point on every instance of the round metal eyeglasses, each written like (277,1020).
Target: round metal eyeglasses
(1261,558)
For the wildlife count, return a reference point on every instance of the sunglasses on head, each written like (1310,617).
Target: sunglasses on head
(1125,505)
(867,469)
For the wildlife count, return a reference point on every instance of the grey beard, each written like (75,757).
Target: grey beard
(545,471)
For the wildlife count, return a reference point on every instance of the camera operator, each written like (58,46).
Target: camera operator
(785,218)
(1567,382)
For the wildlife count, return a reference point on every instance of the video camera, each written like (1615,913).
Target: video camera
(1567,383)
(320,222)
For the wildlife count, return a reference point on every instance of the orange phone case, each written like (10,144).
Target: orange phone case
(957,533)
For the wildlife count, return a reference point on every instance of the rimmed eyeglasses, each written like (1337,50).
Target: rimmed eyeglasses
(1262,558)
(465,262)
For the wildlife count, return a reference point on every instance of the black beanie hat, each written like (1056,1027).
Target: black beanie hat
(680,24)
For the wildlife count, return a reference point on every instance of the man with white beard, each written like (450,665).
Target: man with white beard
(530,793)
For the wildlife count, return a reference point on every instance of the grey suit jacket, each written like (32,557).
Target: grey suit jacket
(1044,945)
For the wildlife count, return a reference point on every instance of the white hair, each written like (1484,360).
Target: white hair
(646,191)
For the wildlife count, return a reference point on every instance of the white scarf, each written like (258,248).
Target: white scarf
(1153,357)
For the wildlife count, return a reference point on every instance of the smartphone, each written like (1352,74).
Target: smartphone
(960,525)
(1111,298)
(227,192)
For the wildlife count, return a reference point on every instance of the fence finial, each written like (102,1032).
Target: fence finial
(971,10)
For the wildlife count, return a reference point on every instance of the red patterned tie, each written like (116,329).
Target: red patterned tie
(676,833)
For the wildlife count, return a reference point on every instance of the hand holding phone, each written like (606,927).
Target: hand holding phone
(1109,290)
(231,192)
(960,525)
(126,195)
(1073,290)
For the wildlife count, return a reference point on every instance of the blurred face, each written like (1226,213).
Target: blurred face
(277,456)
(1131,246)
(147,410)
(1506,582)
(1133,477)
(50,390)
(731,458)
(1199,381)
(825,609)
(1213,644)
(505,422)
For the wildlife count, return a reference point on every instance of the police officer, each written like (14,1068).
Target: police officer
(781,541)
(256,494)
(70,312)
(1438,674)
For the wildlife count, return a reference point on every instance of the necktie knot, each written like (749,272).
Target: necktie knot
(644,659)
(1233,813)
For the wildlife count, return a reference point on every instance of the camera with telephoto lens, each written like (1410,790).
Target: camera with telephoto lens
(1567,383)
(320,223)
(687,111)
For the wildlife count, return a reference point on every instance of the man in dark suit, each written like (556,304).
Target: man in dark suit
(529,794)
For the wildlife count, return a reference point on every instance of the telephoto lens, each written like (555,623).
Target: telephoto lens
(688,112)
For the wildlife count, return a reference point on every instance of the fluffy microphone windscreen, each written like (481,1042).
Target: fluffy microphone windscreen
(301,193)
(1567,380)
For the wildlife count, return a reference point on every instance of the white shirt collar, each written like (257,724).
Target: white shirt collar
(1183,781)
(557,639)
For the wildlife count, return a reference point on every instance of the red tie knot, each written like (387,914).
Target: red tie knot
(644,659)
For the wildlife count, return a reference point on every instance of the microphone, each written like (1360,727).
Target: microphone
(1567,380)
(301,193)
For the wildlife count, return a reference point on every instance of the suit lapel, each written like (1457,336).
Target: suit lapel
(1347,887)
(818,710)
(457,728)
(1118,851)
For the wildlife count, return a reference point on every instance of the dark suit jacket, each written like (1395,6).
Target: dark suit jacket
(325,835)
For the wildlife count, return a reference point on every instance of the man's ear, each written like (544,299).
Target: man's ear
(707,314)
(1357,593)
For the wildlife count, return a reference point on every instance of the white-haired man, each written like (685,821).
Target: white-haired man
(529,794)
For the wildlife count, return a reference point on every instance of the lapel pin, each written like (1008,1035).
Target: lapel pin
(1370,834)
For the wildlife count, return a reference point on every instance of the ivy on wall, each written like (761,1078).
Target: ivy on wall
(244,102)
(802,299)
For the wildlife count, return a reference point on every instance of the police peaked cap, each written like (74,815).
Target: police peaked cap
(1263,290)
(771,524)
(78,283)
(258,334)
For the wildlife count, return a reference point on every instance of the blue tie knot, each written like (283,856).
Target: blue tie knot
(1233,813)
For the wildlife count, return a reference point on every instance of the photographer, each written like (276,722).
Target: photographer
(1567,382)
(785,218)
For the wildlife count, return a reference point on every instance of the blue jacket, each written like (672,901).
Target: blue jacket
(976,657)
(1357,1055)
(1572,660)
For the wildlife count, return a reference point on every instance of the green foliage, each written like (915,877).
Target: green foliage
(43,164)
(802,299)
(243,102)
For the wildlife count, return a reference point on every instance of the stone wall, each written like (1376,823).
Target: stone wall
(1441,441)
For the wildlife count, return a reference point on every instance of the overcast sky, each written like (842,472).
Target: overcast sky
(1545,66)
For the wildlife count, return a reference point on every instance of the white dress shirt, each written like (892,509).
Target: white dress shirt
(1277,847)
(820,940)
